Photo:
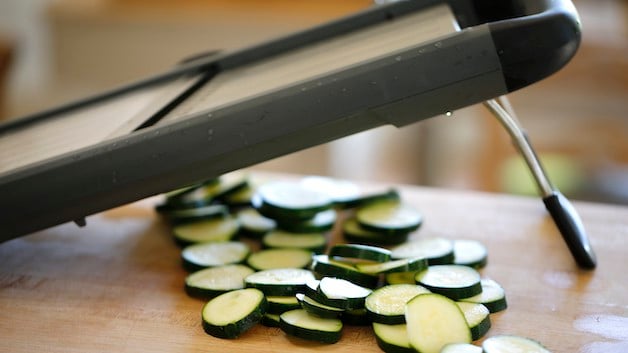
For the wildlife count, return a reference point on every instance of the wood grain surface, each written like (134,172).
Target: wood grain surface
(117,284)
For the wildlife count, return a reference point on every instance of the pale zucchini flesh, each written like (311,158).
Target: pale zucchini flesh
(470,253)
(492,296)
(231,314)
(437,250)
(512,344)
(434,321)
(392,338)
(478,319)
(387,305)
(203,255)
(209,230)
(214,281)
(280,282)
(290,200)
(281,239)
(461,348)
(279,258)
(254,224)
(342,293)
(339,191)
(389,216)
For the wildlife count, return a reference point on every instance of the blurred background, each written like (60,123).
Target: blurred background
(54,51)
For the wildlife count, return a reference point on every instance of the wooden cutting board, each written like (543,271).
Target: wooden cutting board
(117,284)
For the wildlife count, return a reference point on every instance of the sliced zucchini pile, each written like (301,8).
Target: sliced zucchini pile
(418,294)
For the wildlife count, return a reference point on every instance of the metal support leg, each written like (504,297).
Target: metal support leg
(561,210)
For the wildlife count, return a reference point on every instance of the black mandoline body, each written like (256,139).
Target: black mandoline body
(500,46)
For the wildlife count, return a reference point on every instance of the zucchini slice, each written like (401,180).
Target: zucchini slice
(211,282)
(270,320)
(315,242)
(184,215)
(387,305)
(363,200)
(401,277)
(192,196)
(356,317)
(319,309)
(325,267)
(231,314)
(512,344)
(470,253)
(434,321)
(210,191)
(340,191)
(202,255)
(280,282)
(281,304)
(269,259)
(253,224)
(321,222)
(392,338)
(461,348)
(284,199)
(389,217)
(477,316)
(493,296)
(402,265)
(354,232)
(362,252)
(438,251)
(209,230)
(453,281)
(340,293)
(300,323)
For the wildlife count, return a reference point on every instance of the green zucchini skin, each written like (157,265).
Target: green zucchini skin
(360,201)
(223,279)
(480,330)
(321,222)
(323,267)
(359,251)
(270,320)
(355,233)
(310,334)
(277,307)
(464,290)
(291,286)
(391,343)
(316,308)
(493,296)
(389,217)
(356,317)
(478,318)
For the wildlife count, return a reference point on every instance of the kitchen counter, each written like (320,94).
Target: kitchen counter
(116,285)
